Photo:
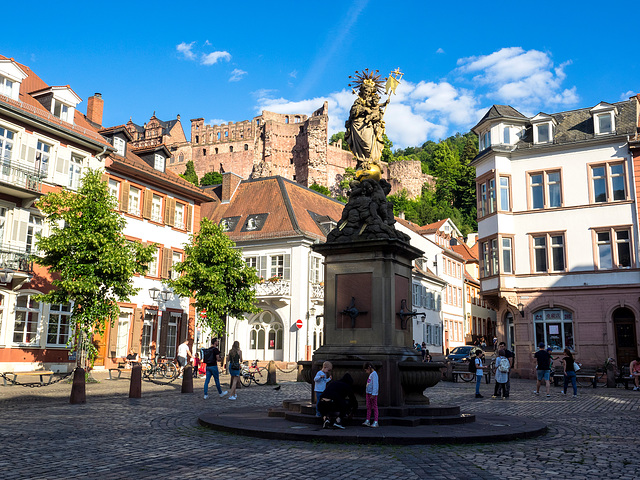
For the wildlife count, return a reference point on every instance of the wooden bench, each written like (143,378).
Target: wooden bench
(585,373)
(625,378)
(463,369)
(39,373)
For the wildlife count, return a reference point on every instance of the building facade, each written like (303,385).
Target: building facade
(558,230)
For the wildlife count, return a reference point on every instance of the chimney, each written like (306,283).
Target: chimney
(94,108)
(230,182)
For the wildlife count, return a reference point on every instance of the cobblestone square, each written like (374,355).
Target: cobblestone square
(114,437)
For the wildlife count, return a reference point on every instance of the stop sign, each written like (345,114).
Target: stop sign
(299,324)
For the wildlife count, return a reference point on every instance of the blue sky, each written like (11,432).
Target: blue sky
(227,61)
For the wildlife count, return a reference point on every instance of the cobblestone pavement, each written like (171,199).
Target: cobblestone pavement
(114,437)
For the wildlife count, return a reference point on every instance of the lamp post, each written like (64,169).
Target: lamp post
(311,313)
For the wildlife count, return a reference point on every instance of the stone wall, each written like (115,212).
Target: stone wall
(407,175)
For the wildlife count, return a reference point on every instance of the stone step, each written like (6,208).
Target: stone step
(408,421)
(307,408)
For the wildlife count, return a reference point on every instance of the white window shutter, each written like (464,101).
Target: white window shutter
(287,267)
(62,162)
(20,224)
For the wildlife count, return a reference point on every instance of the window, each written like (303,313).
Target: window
(231,148)
(147,329)
(608,182)
(545,190)
(506,256)
(613,248)
(6,144)
(543,133)
(487,196)
(134,200)
(548,253)
(252,262)
(114,188)
(25,326)
(505,202)
(62,111)
(119,145)
(75,172)
(604,123)
(172,334)
(33,229)
(176,258)
(43,152)
(153,264)
(507,135)
(179,216)
(277,266)
(6,87)
(158,162)
(315,270)
(58,329)
(122,343)
(156,208)
(490,257)
(485,140)
(554,328)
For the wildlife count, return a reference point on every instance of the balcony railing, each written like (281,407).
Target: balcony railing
(273,289)
(20,177)
(317,290)
(15,259)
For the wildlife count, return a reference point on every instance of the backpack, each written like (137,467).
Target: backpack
(208,357)
(472,365)
(504,365)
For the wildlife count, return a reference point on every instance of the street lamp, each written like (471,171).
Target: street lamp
(156,294)
(521,309)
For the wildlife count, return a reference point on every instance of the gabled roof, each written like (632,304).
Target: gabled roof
(32,109)
(501,111)
(433,227)
(429,274)
(284,209)
(466,252)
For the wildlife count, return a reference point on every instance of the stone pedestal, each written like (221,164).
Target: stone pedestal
(372,277)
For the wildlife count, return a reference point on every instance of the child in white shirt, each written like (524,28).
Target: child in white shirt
(372,395)
(321,379)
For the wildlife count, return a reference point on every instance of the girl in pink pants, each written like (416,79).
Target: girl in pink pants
(372,395)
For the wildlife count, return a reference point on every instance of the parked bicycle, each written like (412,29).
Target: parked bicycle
(162,367)
(253,373)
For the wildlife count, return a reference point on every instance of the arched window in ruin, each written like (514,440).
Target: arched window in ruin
(246,147)
(286,120)
(231,148)
(218,135)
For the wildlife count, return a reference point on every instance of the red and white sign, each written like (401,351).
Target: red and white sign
(299,324)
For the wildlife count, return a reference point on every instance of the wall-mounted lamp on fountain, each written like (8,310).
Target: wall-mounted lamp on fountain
(6,275)
(156,294)
(521,309)
(405,314)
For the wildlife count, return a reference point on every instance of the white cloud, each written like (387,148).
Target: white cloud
(186,49)
(207,43)
(627,94)
(213,57)
(216,121)
(440,50)
(236,75)
(294,74)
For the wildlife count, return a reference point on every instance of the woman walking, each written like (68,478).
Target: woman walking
(569,372)
(234,359)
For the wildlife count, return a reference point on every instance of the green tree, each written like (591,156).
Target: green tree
(321,189)
(190,174)
(210,178)
(387,155)
(339,137)
(92,262)
(216,276)
(446,169)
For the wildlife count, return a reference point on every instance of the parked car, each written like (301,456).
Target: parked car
(462,354)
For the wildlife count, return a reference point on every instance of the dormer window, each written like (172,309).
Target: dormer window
(6,87)
(507,136)
(11,76)
(543,133)
(543,128)
(119,145)
(604,118)
(62,111)
(251,224)
(158,163)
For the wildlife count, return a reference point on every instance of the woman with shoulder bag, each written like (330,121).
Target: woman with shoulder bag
(568,364)
(234,360)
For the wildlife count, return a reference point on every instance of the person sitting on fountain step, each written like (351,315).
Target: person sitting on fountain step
(320,382)
(337,402)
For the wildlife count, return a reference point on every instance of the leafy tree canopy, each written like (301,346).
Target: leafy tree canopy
(339,137)
(321,189)
(93,262)
(190,174)
(210,178)
(216,276)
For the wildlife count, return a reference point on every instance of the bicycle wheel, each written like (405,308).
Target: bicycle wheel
(161,370)
(172,370)
(245,378)
(260,377)
(467,377)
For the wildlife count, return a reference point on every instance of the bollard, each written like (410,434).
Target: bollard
(611,374)
(135,386)
(78,392)
(271,377)
(187,380)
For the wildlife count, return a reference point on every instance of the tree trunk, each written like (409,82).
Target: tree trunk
(78,392)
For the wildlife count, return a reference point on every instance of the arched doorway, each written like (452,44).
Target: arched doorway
(266,337)
(624,325)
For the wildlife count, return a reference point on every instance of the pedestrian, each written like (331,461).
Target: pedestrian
(479,374)
(423,351)
(634,371)
(320,382)
(502,375)
(569,372)
(371,395)
(211,356)
(183,355)
(511,356)
(543,369)
(495,343)
(338,402)
(234,360)
(196,365)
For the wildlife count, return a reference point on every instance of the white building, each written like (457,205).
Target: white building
(558,230)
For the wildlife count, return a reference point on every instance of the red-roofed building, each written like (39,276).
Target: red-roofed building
(276,221)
